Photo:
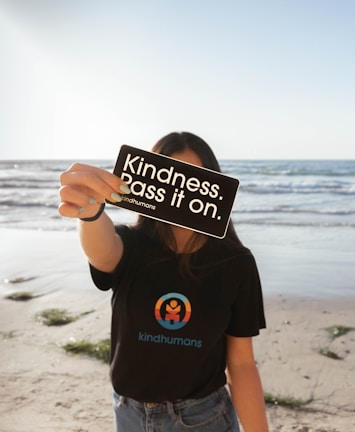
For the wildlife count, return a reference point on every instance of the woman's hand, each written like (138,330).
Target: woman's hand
(85,187)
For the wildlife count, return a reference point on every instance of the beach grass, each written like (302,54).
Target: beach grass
(334,332)
(9,334)
(338,331)
(99,350)
(286,401)
(330,354)
(19,280)
(21,296)
(55,317)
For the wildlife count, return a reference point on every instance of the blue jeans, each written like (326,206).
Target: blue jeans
(214,413)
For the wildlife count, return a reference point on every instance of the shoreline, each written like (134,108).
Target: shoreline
(311,268)
(43,386)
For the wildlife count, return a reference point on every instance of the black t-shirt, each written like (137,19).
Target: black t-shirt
(168,330)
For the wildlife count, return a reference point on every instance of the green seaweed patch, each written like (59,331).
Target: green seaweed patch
(286,401)
(55,317)
(9,335)
(21,296)
(99,350)
(338,331)
(19,280)
(330,354)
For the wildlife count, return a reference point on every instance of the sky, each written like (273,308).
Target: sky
(256,79)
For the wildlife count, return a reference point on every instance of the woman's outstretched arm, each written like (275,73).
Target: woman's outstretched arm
(83,191)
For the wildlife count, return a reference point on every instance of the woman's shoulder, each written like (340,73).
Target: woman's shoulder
(229,248)
(225,255)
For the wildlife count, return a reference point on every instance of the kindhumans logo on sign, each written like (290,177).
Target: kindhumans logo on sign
(176,192)
(173,311)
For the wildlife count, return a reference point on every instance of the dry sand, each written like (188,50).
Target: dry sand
(44,389)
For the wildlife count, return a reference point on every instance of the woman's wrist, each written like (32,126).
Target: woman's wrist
(96,216)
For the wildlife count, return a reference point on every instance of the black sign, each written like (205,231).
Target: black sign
(176,192)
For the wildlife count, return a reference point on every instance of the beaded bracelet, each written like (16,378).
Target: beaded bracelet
(98,214)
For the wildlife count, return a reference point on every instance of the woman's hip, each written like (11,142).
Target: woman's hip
(213,413)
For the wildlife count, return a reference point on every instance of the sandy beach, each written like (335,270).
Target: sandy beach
(45,389)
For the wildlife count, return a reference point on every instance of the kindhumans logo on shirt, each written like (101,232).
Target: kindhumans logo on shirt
(173,311)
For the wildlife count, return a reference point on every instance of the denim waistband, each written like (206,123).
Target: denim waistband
(176,405)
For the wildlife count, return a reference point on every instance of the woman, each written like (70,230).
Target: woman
(185,307)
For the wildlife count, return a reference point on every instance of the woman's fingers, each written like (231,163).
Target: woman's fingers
(112,180)
(96,179)
(69,210)
(79,196)
(92,182)
(85,186)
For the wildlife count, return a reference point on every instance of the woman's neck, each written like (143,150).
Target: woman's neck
(182,238)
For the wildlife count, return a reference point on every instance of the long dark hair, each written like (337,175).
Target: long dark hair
(177,142)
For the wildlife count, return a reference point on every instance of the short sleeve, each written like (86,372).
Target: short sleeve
(105,281)
(247,310)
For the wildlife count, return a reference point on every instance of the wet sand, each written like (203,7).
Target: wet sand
(49,390)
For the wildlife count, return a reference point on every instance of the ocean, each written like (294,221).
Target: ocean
(306,207)
(277,193)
